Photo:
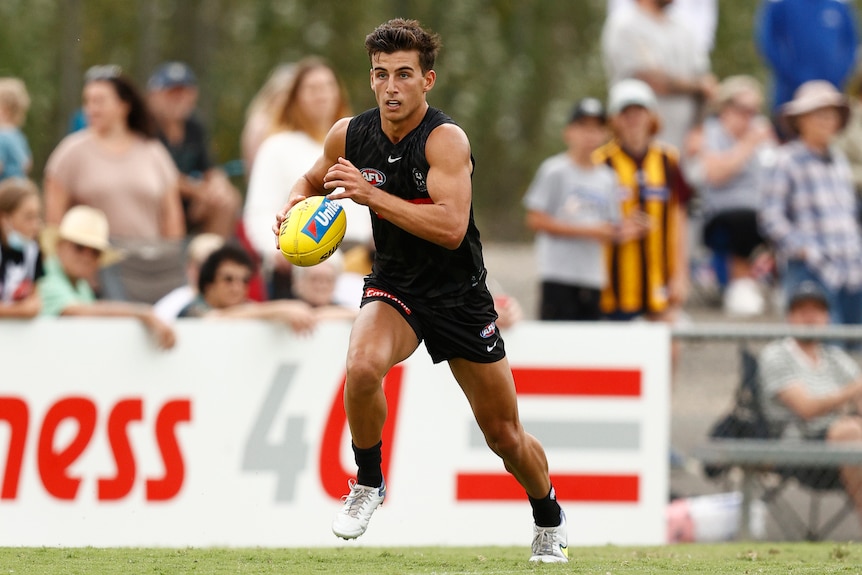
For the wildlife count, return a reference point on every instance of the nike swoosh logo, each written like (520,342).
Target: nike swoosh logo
(490,348)
(392,160)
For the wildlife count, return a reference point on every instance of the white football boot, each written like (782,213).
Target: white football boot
(359,504)
(551,544)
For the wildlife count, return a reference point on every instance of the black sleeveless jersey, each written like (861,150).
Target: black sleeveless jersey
(403,261)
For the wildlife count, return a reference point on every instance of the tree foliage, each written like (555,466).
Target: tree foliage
(508,73)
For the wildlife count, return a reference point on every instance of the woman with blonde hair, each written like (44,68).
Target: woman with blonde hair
(313,102)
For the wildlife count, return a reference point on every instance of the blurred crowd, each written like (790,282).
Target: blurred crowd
(681,181)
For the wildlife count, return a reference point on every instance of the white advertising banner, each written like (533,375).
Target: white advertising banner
(237,437)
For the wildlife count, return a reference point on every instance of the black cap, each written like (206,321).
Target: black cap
(588,108)
(807,291)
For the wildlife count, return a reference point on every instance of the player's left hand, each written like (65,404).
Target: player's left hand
(343,174)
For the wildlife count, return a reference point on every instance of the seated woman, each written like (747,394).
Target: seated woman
(814,391)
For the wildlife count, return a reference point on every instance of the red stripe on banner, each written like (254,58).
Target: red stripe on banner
(581,487)
(589,382)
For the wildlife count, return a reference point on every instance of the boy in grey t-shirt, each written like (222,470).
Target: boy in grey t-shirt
(573,206)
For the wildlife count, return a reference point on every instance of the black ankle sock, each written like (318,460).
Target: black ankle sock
(546,511)
(368,460)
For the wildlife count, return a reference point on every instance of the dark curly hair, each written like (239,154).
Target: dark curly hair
(407,35)
(228,253)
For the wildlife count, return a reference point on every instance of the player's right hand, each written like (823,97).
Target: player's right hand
(279,217)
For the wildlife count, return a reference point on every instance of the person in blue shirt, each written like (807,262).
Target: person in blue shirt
(15,156)
(804,40)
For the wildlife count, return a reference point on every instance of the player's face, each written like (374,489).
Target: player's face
(230,287)
(400,85)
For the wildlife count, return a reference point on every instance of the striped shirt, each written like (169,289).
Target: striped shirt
(783,363)
(809,203)
(640,271)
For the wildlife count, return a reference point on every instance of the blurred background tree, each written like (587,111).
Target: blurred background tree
(508,73)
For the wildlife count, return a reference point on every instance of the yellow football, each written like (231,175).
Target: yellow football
(312,231)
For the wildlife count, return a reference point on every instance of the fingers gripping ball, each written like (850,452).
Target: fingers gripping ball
(312,231)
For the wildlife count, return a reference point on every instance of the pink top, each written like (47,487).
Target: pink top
(129,186)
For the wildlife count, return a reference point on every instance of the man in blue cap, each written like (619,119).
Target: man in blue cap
(211,203)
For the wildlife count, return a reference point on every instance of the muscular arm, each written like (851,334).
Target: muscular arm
(444,221)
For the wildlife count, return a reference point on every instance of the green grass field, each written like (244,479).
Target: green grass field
(742,558)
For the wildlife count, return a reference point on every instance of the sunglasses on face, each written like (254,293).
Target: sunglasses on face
(231,278)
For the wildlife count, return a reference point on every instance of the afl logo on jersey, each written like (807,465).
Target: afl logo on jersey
(419,180)
(374,177)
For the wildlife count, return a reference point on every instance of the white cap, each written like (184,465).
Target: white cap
(631,92)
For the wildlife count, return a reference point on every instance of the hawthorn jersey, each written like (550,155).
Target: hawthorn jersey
(404,261)
(639,271)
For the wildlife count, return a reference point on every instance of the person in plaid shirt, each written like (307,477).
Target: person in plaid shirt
(809,204)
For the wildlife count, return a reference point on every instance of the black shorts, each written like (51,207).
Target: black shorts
(561,302)
(734,232)
(464,327)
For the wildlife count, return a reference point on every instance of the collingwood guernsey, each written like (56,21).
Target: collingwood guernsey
(403,261)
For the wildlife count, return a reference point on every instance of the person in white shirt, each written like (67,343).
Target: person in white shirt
(315,100)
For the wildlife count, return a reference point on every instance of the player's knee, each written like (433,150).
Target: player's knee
(364,374)
(503,438)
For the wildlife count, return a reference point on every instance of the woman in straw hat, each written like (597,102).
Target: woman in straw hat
(809,205)
(81,247)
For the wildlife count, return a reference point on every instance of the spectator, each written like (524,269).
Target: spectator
(316,286)
(643,42)
(20,255)
(200,247)
(15,156)
(814,391)
(118,166)
(809,205)
(223,293)
(699,16)
(725,159)
(803,40)
(210,202)
(261,112)
(649,265)
(314,101)
(82,245)
(573,206)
